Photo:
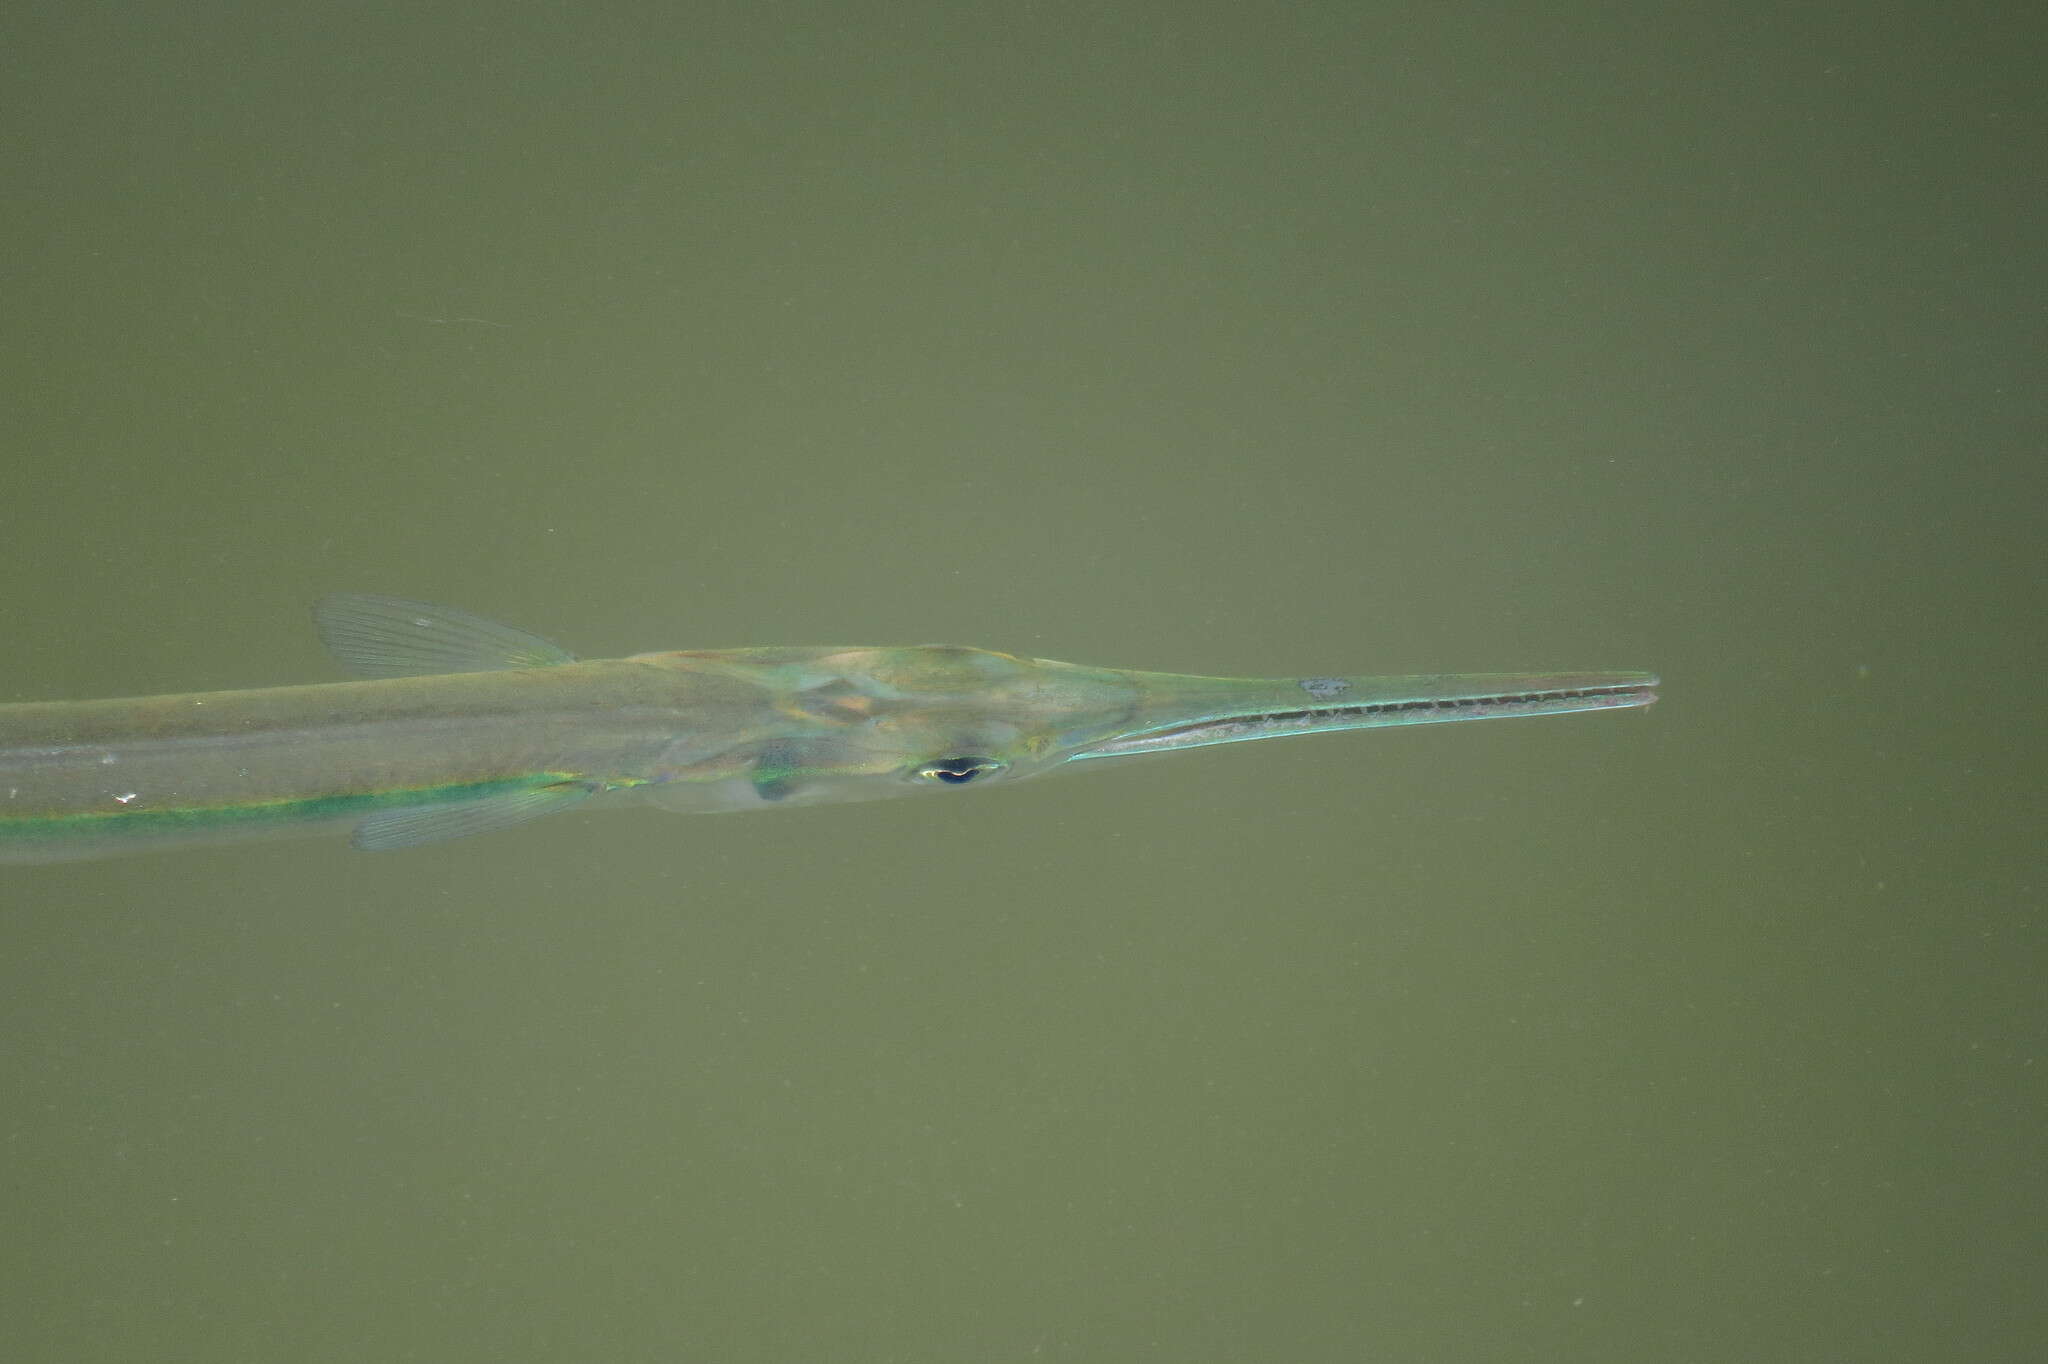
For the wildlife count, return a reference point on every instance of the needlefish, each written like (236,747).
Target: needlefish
(462,726)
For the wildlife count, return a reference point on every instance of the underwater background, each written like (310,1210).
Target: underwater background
(1246,340)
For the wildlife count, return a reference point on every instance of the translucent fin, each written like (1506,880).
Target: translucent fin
(392,637)
(388,829)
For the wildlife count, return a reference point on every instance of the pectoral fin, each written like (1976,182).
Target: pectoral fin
(778,772)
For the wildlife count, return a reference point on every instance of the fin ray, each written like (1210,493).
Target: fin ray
(418,824)
(377,637)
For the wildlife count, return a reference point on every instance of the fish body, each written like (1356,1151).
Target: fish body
(463,726)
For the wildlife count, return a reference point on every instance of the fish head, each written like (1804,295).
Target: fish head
(840,724)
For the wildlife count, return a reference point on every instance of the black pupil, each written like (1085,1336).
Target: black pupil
(956,770)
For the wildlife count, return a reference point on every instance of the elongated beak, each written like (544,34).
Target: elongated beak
(1190,712)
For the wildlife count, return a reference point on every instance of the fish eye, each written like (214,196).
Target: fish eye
(958,771)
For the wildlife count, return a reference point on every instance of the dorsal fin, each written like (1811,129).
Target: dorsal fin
(375,636)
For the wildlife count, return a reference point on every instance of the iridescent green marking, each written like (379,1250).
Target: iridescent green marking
(256,816)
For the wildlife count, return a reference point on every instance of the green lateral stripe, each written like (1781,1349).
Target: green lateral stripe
(148,823)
